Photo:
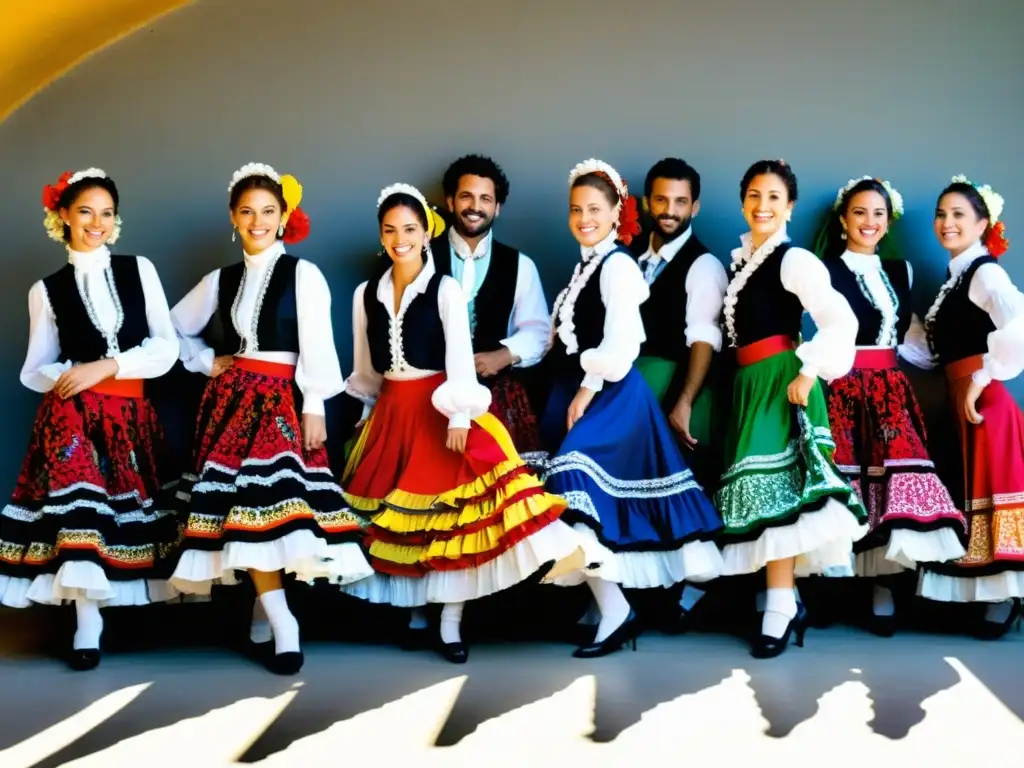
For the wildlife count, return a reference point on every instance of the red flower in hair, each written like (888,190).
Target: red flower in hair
(297,228)
(52,192)
(996,242)
(629,220)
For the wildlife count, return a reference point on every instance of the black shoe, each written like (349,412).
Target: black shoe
(84,659)
(882,626)
(456,653)
(285,663)
(768,647)
(993,630)
(626,633)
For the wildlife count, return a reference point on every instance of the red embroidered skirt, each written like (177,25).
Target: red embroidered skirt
(434,512)
(993,454)
(90,489)
(880,438)
(253,481)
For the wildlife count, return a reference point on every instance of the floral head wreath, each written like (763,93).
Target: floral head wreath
(435,223)
(52,194)
(995,241)
(894,197)
(294,221)
(627,212)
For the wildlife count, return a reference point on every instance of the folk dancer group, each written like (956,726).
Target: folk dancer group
(689,431)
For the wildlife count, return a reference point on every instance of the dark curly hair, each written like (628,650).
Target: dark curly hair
(676,169)
(476,165)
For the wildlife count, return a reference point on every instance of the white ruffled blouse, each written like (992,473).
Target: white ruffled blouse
(152,358)
(461,398)
(991,290)
(879,292)
(317,370)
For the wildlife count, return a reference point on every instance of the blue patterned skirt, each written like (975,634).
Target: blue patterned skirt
(629,489)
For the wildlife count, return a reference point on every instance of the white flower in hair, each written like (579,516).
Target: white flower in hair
(894,197)
(88,173)
(993,200)
(253,169)
(400,188)
(599,166)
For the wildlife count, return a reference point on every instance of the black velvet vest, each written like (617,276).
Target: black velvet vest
(764,308)
(80,340)
(495,300)
(277,324)
(960,328)
(869,319)
(421,329)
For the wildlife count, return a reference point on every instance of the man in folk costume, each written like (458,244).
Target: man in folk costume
(508,312)
(681,321)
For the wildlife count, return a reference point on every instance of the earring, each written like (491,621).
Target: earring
(382,253)
(233,232)
(426,251)
(280,231)
(843,235)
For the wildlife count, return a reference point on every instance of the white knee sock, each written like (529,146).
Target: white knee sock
(418,618)
(881,601)
(762,598)
(779,610)
(998,612)
(260,630)
(690,597)
(89,626)
(612,603)
(451,623)
(283,623)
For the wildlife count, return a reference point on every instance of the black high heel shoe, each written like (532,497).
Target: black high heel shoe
(456,653)
(882,626)
(993,630)
(286,663)
(626,633)
(84,659)
(768,647)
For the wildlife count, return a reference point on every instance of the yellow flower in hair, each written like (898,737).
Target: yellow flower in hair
(437,224)
(292,191)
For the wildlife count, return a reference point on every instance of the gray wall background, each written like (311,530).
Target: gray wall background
(350,97)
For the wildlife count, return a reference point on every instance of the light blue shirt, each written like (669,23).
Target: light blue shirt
(481,258)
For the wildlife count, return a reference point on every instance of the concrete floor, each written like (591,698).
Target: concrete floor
(914,699)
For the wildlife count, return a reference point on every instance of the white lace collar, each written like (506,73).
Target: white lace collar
(386,287)
(264,257)
(89,261)
(959,263)
(861,263)
(603,248)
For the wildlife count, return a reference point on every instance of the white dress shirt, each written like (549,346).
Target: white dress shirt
(706,283)
(461,397)
(151,359)
(991,290)
(529,324)
(317,371)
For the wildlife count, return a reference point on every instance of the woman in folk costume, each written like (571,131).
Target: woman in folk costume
(975,331)
(877,425)
(88,521)
(615,458)
(785,505)
(455,513)
(262,497)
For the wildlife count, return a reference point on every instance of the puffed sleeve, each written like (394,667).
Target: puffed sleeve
(915,349)
(830,353)
(364,383)
(318,372)
(462,397)
(623,290)
(42,369)
(706,284)
(190,317)
(993,291)
(156,354)
(531,321)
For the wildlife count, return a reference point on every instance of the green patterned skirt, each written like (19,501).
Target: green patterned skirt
(781,495)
